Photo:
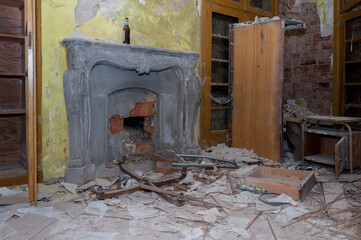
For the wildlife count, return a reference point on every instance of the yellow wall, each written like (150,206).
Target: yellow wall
(171,24)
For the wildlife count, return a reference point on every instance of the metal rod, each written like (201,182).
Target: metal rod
(208,157)
(201,165)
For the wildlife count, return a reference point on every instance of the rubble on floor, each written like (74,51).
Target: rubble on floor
(214,208)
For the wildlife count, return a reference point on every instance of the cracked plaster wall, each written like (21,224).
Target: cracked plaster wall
(170,24)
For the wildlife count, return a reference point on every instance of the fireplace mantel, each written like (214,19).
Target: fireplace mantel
(170,75)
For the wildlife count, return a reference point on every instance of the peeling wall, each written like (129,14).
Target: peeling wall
(170,24)
(324,11)
(308,69)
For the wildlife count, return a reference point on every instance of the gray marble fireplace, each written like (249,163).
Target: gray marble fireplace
(106,79)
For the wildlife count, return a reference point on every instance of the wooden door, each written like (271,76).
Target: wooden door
(215,66)
(257,87)
(17,95)
(347,59)
(340,156)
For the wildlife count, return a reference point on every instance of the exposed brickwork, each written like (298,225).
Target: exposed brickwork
(307,59)
(143,108)
(116,123)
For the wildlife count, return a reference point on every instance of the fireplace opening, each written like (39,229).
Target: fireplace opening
(136,126)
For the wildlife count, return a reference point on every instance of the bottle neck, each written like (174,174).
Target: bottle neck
(126,21)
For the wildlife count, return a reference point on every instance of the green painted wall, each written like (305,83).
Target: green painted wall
(167,24)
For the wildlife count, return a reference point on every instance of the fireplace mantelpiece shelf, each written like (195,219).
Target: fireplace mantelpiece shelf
(170,75)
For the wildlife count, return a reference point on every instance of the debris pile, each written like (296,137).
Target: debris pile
(196,203)
(296,108)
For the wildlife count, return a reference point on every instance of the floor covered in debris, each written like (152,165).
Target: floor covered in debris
(214,207)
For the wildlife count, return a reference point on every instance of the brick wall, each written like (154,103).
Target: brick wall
(307,59)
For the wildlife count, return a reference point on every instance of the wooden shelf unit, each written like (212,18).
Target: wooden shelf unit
(347,59)
(17,95)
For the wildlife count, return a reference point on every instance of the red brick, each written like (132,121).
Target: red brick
(307,38)
(287,72)
(301,70)
(321,86)
(324,77)
(295,59)
(313,28)
(303,86)
(312,46)
(327,45)
(304,78)
(143,109)
(324,57)
(116,124)
(304,94)
(324,95)
(157,158)
(144,148)
(321,68)
(308,58)
(165,167)
(317,37)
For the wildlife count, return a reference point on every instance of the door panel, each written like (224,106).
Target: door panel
(340,156)
(257,88)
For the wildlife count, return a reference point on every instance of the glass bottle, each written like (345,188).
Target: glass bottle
(126,32)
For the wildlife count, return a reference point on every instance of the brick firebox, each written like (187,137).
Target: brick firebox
(140,127)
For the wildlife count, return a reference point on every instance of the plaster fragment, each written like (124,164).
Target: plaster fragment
(85,11)
(176,5)
(199,7)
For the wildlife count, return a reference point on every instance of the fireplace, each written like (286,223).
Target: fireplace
(126,99)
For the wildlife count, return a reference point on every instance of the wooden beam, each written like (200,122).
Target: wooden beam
(31,100)
(38,67)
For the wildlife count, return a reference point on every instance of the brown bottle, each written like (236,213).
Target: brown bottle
(126,32)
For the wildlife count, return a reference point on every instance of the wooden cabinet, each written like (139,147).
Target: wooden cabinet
(347,59)
(17,93)
(217,15)
(331,141)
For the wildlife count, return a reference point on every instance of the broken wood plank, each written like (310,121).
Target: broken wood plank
(273,232)
(30,226)
(253,220)
(331,191)
(14,199)
(350,235)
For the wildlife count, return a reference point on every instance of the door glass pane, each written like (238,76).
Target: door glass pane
(353,95)
(353,73)
(353,28)
(219,96)
(219,72)
(219,119)
(262,4)
(353,50)
(219,48)
(220,24)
